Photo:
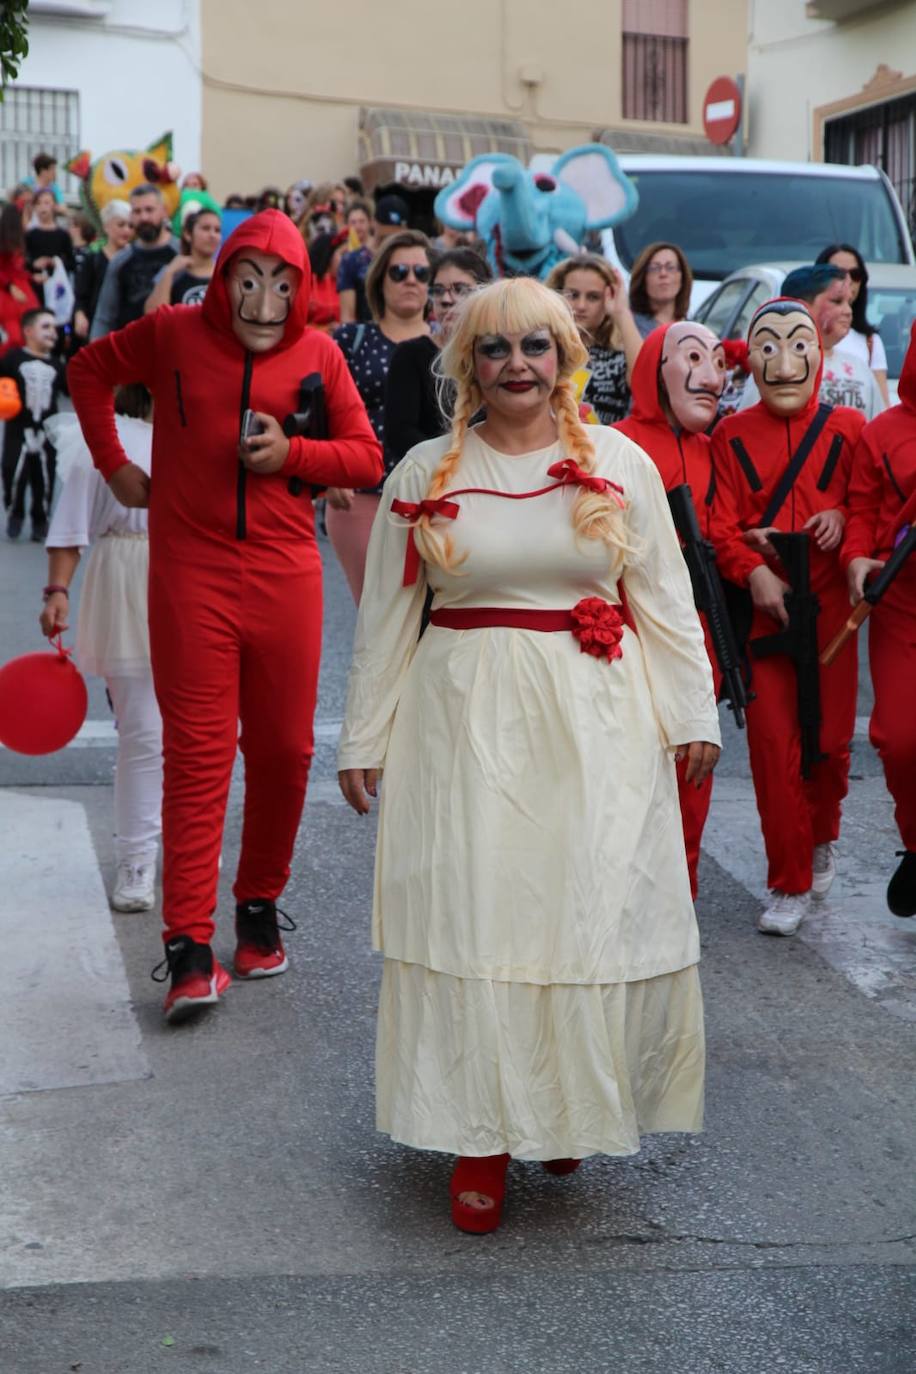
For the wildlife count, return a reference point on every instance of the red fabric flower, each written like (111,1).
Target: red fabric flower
(598,626)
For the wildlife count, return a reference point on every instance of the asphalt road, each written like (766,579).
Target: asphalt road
(215,1197)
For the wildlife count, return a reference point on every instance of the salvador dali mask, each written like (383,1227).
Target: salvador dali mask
(692,371)
(262,288)
(784,351)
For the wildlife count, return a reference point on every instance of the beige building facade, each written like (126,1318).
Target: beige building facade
(835,81)
(405,92)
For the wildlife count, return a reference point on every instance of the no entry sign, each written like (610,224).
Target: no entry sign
(722,110)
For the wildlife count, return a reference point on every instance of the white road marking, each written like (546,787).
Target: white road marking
(852,929)
(65,1016)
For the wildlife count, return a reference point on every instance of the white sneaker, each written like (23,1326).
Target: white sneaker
(784,914)
(824,871)
(134,888)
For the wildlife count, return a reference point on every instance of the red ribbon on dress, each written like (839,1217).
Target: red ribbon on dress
(411,512)
(569,473)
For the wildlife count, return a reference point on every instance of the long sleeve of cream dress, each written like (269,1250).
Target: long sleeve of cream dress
(539,992)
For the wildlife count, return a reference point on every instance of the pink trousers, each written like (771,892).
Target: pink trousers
(348,531)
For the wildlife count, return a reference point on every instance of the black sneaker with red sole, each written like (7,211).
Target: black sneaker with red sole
(198,979)
(259,952)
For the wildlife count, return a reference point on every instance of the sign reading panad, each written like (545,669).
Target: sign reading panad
(722,110)
(424,174)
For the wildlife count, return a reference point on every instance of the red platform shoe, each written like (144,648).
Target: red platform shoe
(484,1174)
(561,1166)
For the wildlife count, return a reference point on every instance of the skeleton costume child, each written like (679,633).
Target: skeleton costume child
(28,453)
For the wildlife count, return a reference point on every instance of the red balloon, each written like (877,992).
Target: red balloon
(43,702)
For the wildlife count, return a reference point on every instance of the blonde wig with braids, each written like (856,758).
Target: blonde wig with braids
(517,305)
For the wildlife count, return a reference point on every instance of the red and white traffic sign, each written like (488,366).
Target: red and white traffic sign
(722,110)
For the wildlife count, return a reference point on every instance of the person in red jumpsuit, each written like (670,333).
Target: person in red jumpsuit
(235,574)
(882,503)
(752,454)
(677,380)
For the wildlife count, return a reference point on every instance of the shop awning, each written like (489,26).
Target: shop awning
(679,145)
(422,150)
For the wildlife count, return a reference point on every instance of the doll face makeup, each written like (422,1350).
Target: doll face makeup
(516,372)
(785,354)
(692,370)
(262,288)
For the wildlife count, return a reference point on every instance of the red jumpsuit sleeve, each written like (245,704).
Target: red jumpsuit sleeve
(736,561)
(353,457)
(866,484)
(128,355)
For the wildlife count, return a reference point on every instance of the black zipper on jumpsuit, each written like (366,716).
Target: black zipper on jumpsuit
(241,515)
(789,457)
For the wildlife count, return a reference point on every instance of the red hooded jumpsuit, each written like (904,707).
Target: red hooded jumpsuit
(750,452)
(235,572)
(883,479)
(679,457)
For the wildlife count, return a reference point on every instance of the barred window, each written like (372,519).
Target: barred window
(37,120)
(884,135)
(654,79)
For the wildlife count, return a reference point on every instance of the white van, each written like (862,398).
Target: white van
(728,212)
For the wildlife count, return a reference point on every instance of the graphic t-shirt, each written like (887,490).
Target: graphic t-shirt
(847,381)
(188,289)
(607,392)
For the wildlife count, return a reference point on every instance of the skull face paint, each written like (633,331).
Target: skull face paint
(262,288)
(692,371)
(785,356)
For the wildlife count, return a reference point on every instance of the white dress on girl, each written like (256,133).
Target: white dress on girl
(540,994)
(112,634)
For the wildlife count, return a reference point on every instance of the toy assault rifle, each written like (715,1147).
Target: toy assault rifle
(799,642)
(710,598)
(872,595)
(309,421)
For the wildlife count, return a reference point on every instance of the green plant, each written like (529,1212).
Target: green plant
(14,39)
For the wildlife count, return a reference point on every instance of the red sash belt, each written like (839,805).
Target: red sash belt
(594,622)
(481,618)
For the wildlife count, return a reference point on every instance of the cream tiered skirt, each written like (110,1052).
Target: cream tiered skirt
(478,1067)
(112,637)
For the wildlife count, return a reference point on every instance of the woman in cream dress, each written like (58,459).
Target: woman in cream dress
(540,997)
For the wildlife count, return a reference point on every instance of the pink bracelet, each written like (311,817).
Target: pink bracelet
(47,591)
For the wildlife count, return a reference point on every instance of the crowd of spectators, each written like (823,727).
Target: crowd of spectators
(380,286)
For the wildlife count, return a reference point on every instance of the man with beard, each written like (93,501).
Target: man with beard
(131,273)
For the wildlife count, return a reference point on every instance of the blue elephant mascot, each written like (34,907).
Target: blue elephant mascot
(529,221)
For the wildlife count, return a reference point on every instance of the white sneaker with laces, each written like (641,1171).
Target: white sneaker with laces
(784,914)
(134,888)
(824,870)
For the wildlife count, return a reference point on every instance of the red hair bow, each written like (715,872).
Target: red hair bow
(412,512)
(569,472)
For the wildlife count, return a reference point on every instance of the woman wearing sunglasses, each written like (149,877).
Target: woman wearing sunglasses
(412,411)
(863,338)
(397,289)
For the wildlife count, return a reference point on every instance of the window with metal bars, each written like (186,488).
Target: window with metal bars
(885,136)
(654,77)
(34,119)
